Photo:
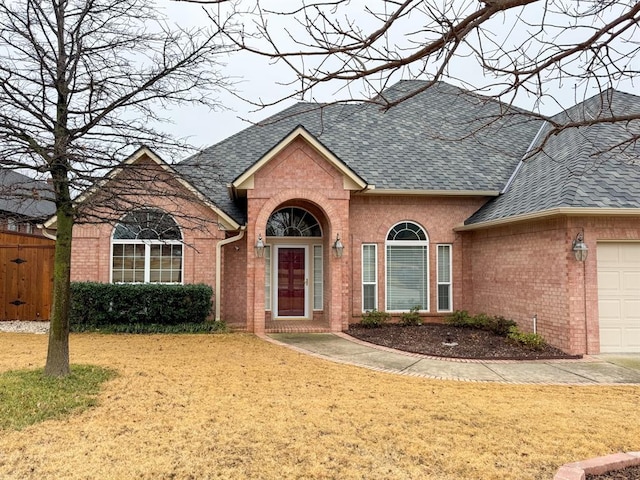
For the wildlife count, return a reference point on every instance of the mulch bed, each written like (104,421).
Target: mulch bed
(629,473)
(439,339)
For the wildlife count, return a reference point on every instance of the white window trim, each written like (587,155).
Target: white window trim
(320,284)
(407,243)
(147,259)
(450,282)
(375,273)
(12,225)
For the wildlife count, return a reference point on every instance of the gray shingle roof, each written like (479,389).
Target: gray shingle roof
(215,167)
(24,196)
(577,168)
(441,139)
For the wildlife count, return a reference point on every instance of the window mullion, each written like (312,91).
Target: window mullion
(147,262)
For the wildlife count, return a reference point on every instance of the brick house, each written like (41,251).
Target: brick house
(445,202)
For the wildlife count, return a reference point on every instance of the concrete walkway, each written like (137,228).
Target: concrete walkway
(601,369)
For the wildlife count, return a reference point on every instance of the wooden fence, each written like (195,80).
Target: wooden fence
(26,276)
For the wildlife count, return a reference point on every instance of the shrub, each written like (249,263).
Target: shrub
(499,325)
(97,305)
(374,318)
(482,321)
(529,340)
(459,318)
(412,317)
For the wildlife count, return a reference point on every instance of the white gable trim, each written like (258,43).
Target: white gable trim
(228,222)
(568,211)
(431,193)
(351,180)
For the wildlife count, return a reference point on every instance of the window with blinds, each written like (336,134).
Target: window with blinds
(318,298)
(407,267)
(369,277)
(444,278)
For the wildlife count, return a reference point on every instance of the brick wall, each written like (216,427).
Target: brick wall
(371,218)
(91,253)
(520,271)
(234,284)
(528,269)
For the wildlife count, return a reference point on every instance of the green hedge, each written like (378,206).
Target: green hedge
(97,305)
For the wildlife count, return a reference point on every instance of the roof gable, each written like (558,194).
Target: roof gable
(145,153)
(351,180)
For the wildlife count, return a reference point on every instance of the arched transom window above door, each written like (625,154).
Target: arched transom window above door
(293,222)
(147,247)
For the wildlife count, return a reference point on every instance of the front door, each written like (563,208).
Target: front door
(292,282)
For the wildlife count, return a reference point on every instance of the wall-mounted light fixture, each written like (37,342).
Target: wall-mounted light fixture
(259,247)
(338,247)
(580,249)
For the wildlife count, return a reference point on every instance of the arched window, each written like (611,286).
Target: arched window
(407,248)
(147,247)
(293,222)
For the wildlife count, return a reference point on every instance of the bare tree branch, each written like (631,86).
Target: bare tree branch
(527,52)
(83,84)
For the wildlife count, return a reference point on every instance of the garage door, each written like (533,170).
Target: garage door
(619,297)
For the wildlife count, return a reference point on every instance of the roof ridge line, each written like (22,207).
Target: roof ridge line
(524,156)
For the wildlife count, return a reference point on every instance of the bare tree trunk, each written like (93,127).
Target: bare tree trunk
(58,354)
(82,83)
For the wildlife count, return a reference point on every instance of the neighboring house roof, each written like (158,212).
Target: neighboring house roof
(579,168)
(444,139)
(23,196)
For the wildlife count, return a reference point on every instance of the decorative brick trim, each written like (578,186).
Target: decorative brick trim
(597,466)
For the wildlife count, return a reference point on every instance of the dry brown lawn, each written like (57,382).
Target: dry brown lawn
(235,407)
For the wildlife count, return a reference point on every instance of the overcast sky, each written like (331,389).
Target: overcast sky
(256,79)
(253,78)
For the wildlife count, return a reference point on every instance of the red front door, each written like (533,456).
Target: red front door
(291,282)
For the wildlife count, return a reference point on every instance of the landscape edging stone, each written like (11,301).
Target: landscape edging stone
(597,466)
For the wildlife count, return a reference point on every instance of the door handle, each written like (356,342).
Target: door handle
(306,282)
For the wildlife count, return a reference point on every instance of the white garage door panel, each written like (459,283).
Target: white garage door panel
(619,296)
(631,309)
(609,281)
(608,255)
(631,255)
(610,309)
(633,337)
(631,282)
(610,338)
